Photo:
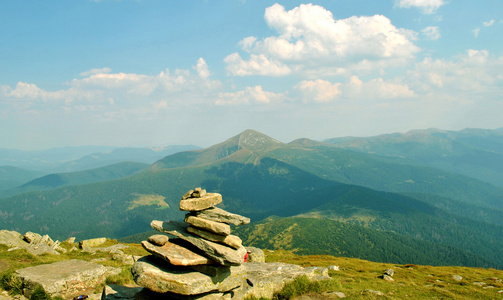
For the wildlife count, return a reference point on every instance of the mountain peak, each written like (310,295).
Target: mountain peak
(254,140)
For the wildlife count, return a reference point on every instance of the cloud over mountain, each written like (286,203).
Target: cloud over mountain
(309,37)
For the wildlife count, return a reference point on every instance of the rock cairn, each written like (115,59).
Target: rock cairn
(202,258)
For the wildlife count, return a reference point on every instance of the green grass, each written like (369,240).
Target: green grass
(410,281)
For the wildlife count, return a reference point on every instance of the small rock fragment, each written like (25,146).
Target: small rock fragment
(333,268)
(457,277)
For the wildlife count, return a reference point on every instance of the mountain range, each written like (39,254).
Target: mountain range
(406,190)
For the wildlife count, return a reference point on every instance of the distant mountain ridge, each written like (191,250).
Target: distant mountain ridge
(72,159)
(241,145)
(477,153)
(52,181)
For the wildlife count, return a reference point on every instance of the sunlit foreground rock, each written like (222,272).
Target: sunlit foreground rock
(163,278)
(67,278)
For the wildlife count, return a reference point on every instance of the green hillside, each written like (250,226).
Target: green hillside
(307,236)
(477,153)
(389,174)
(248,141)
(11,177)
(52,181)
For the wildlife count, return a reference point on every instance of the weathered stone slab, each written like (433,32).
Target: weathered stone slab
(216,227)
(91,243)
(176,255)
(32,237)
(12,239)
(147,272)
(221,254)
(38,244)
(230,240)
(67,278)
(266,278)
(197,204)
(220,215)
(158,239)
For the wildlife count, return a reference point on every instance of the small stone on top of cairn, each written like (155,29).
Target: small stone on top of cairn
(199,200)
(203,247)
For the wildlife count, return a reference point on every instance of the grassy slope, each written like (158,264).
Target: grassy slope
(410,281)
(354,278)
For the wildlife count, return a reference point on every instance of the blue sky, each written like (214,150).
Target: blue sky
(154,73)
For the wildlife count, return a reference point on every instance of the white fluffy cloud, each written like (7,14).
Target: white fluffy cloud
(426,6)
(322,91)
(256,65)
(318,90)
(100,87)
(310,37)
(249,95)
(473,74)
(377,88)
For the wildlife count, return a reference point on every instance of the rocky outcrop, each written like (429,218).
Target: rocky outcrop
(67,278)
(32,242)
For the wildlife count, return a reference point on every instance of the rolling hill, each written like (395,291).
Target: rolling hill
(11,177)
(53,181)
(476,153)
(73,159)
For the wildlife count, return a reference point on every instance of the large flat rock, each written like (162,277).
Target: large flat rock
(176,254)
(229,240)
(197,204)
(66,278)
(151,273)
(222,254)
(215,227)
(219,215)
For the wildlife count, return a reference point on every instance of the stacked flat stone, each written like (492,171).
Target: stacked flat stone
(202,258)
